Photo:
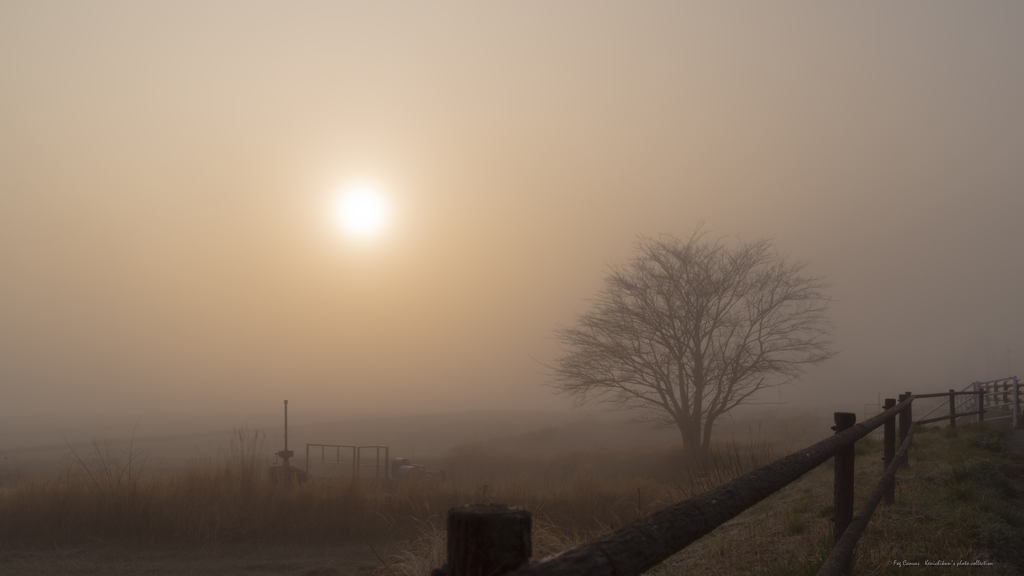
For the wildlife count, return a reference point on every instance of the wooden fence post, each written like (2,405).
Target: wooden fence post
(1016,403)
(979,401)
(486,540)
(842,500)
(952,408)
(981,406)
(906,423)
(889,448)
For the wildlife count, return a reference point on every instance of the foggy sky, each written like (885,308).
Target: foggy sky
(166,174)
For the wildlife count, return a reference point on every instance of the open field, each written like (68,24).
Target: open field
(961,500)
(111,559)
(108,498)
(106,513)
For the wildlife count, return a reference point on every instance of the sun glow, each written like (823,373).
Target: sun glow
(361,211)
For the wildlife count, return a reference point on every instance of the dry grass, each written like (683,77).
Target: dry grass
(952,504)
(572,503)
(114,495)
(958,501)
(110,494)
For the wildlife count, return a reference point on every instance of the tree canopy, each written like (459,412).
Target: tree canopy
(690,329)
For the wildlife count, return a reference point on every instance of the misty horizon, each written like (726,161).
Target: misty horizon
(168,174)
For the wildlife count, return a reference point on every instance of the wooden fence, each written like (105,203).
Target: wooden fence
(978,398)
(492,540)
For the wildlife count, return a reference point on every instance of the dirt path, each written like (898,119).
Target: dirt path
(342,560)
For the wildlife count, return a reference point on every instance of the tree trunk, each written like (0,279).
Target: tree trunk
(705,444)
(691,444)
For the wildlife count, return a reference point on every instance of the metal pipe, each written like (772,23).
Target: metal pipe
(999,380)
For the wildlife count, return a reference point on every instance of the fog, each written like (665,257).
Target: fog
(167,172)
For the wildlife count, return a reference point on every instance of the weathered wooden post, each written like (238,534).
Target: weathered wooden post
(981,405)
(906,422)
(842,500)
(1016,403)
(486,540)
(952,408)
(979,401)
(889,448)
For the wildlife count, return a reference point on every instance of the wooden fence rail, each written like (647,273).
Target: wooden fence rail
(839,560)
(985,397)
(493,540)
(634,549)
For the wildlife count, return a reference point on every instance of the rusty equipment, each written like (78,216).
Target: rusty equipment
(286,471)
(286,454)
(357,457)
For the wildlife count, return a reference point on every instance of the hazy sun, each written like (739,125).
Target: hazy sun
(361,211)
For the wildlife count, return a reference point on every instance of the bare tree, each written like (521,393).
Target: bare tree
(689,330)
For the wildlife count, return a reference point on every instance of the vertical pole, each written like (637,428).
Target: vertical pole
(906,422)
(843,485)
(1016,403)
(952,408)
(981,406)
(355,468)
(889,446)
(1006,390)
(307,460)
(488,539)
(387,463)
(909,423)
(286,454)
(979,402)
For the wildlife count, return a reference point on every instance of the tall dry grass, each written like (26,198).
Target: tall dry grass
(574,497)
(112,494)
(116,494)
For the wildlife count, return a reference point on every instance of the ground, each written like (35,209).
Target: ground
(800,515)
(345,559)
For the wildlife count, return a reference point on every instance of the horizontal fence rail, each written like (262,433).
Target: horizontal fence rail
(929,413)
(839,560)
(981,397)
(634,549)
(631,550)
